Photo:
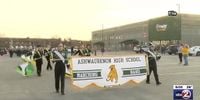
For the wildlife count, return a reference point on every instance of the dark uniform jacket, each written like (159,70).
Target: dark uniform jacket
(38,57)
(83,52)
(79,52)
(47,54)
(152,59)
(87,52)
(58,61)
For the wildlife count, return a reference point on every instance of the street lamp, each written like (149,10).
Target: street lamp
(102,46)
(179,15)
(102,33)
(179,8)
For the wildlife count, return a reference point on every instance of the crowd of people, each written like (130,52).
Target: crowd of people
(57,55)
(182,50)
(151,51)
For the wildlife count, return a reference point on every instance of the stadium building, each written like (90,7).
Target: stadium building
(184,28)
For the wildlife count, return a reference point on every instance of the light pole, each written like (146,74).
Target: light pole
(102,47)
(179,8)
(102,33)
(179,15)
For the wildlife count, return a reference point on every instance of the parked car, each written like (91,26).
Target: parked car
(140,48)
(145,47)
(172,49)
(137,49)
(195,50)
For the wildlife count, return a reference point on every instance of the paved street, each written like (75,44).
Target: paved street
(14,86)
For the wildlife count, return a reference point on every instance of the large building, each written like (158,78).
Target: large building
(182,28)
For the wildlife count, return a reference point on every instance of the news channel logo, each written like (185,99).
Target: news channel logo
(183,92)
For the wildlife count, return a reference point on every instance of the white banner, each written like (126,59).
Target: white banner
(108,71)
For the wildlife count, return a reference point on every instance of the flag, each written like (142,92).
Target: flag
(27,67)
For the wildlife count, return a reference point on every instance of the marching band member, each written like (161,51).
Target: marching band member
(152,66)
(38,59)
(47,53)
(83,51)
(59,57)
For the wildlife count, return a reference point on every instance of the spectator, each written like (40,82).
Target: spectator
(185,52)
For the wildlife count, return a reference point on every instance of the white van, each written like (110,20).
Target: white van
(195,50)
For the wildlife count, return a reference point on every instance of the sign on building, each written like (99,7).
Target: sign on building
(165,28)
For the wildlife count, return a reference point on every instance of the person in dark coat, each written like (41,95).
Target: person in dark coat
(59,58)
(102,51)
(38,59)
(11,52)
(80,51)
(83,51)
(47,54)
(152,58)
(72,50)
(87,51)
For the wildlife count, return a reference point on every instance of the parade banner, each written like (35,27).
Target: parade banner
(108,71)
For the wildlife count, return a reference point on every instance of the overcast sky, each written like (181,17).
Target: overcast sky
(78,18)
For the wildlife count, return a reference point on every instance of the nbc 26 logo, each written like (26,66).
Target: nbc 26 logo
(183,92)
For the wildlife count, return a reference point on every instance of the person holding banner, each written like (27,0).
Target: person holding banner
(87,51)
(38,59)
(83,51)
(59,57)
(80,51)
(152,66)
